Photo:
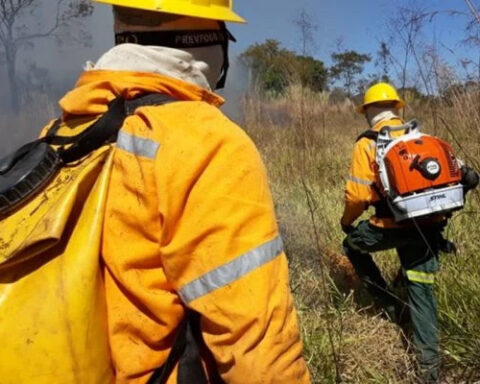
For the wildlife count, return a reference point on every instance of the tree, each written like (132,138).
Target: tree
(406,26)
(337,95)
(412,94)
(348,65)
(312,73)
(17,33)
(365,82)
(35,81)
(384,61)
(306,26)
(274,67)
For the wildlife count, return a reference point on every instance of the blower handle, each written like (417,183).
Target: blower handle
(407,127)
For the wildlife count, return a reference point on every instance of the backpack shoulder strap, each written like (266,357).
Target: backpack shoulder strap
(30,167)
(186,352)
(105,129)
(368,134)
(150,99)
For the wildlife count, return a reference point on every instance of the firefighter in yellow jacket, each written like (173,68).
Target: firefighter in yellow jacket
(189,229)
(195,276)
(417,245)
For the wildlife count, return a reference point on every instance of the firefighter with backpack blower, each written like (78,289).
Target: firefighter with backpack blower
(414,182)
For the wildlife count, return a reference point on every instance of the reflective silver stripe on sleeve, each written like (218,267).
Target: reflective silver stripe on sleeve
(232,271)
(359,181)
(137,145)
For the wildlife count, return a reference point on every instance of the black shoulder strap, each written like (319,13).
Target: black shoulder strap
(368,134)
(150,99)
(105,129)
(186,352)
(27,170)
(161,375)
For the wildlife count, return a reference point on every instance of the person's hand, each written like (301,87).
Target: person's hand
(347,228)
(446,246)
(470,178)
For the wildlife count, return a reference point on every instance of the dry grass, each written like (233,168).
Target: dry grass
(306,143)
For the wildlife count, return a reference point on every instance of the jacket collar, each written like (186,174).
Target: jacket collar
(95,89)
(392,122)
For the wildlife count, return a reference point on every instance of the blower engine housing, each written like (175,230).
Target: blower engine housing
(419,173)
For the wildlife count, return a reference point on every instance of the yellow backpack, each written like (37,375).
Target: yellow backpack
(53,324)
(52,305)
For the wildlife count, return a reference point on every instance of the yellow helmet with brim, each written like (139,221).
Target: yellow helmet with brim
(221,10)
(380,93)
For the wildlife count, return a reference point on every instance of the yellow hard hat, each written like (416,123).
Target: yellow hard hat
(207,9)
(380,92)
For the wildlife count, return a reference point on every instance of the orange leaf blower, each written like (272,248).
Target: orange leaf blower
(419,173)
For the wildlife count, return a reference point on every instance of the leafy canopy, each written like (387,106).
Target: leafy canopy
(274,67)
(348,65)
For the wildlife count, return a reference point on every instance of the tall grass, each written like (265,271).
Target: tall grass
(306,143)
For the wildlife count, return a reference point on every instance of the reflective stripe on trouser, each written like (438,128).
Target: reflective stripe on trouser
(421,277)
(232,271)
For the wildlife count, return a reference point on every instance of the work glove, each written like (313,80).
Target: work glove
(446,246)
(347,228)
(470,178)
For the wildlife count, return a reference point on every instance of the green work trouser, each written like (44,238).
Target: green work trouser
(418,253)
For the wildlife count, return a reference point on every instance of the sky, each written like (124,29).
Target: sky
(359,24)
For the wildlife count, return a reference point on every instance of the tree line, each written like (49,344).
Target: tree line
(272,68)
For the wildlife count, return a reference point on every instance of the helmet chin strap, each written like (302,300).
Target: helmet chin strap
(184,39)
(226,61)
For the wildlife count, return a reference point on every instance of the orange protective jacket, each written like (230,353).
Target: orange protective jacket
(360,190)
(189,223)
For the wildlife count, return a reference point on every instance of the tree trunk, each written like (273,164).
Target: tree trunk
(11,56)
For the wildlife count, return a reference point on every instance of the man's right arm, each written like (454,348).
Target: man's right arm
(222,253)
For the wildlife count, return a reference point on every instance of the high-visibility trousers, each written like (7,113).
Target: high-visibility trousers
(417,249)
